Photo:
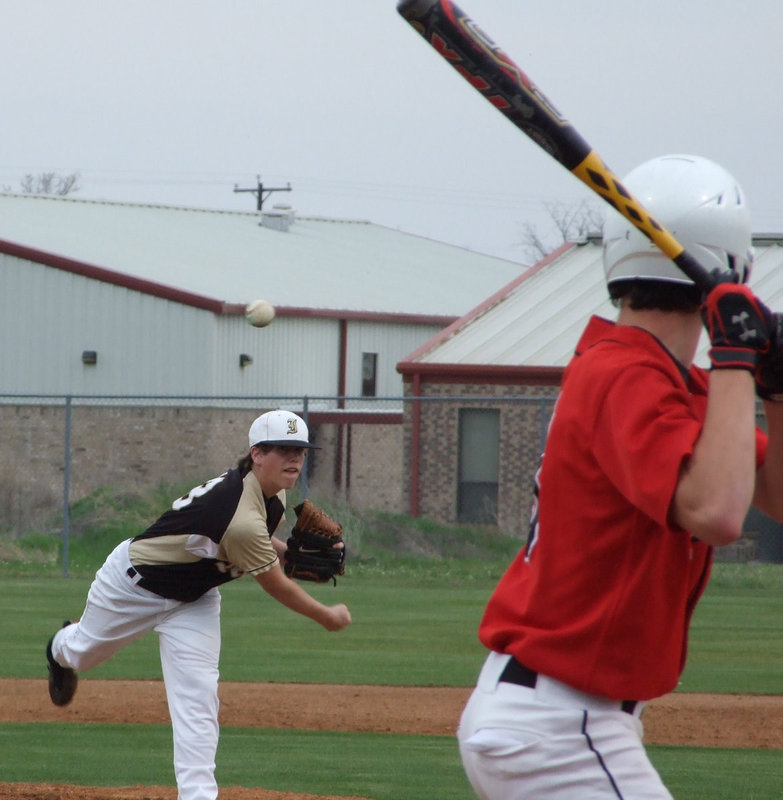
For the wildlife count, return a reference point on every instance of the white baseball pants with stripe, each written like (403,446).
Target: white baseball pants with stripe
(118,612)
(551,742)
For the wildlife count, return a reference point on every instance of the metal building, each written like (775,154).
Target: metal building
(112,298)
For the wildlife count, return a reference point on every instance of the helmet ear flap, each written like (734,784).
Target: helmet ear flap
(741,267)
(740,270)
(747,265)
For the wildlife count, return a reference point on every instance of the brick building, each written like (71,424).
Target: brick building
(471,455)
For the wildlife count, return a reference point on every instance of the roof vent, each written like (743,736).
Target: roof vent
(278,218)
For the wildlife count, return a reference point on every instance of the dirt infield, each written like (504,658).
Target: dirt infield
(704,720)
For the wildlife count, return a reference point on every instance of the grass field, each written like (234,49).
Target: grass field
(407,630)
(381,766)
(415,616)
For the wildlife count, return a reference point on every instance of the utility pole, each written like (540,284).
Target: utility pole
(262,192)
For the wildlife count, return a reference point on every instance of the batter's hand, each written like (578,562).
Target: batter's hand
(339,618)
(769,373)
(740,327)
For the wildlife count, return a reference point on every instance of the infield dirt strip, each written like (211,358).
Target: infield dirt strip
(704,720)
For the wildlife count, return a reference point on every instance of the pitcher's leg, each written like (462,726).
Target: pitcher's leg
(116,613)
(189,653)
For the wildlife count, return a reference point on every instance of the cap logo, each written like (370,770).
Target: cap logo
(292,425)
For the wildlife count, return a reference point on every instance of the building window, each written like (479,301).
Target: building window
(369,374)
(479,448)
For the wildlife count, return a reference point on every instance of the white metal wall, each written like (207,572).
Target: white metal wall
(48,317)
(149,345)
(292,356)
(392,343)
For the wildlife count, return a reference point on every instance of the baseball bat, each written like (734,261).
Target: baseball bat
(495,76)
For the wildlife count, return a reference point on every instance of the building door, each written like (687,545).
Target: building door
(479,445)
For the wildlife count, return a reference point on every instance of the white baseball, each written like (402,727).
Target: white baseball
(260,313)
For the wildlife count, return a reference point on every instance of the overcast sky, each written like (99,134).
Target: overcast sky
(178,101)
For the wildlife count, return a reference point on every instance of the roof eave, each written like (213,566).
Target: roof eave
(496,374)
(216,306)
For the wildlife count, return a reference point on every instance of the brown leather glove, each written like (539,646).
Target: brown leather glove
(316,550)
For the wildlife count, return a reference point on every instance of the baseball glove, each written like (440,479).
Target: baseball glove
(311,553)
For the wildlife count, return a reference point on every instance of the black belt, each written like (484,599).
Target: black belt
(132,573)
(519,674)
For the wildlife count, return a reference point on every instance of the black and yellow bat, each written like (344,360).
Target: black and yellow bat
(494,75)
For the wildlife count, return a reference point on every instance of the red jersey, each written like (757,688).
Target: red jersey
(601,597)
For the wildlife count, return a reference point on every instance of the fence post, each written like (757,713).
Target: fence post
(306,465)
(67,487)
(543,423)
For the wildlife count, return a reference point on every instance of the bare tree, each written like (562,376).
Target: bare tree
(570,222)
(49,183)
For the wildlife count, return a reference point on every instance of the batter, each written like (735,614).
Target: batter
(167,578)
(650,462)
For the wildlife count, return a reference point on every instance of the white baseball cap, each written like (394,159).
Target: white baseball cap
(281,428)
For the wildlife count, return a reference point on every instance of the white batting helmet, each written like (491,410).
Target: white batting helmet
(699,203)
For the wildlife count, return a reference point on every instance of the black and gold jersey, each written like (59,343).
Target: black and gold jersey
(215,533)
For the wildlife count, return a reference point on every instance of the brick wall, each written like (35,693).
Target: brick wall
(522,427)
(368,465)
(359,463)
(142,447)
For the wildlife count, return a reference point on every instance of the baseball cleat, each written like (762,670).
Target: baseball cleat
(62,680)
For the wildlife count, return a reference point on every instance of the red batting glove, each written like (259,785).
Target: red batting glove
(740,327)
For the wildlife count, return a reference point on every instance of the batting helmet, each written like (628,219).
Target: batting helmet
(703,207)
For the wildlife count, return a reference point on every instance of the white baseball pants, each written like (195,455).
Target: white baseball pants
(551,742)
(118,612)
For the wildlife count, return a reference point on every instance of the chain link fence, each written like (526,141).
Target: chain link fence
(58,449)
(396,454)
